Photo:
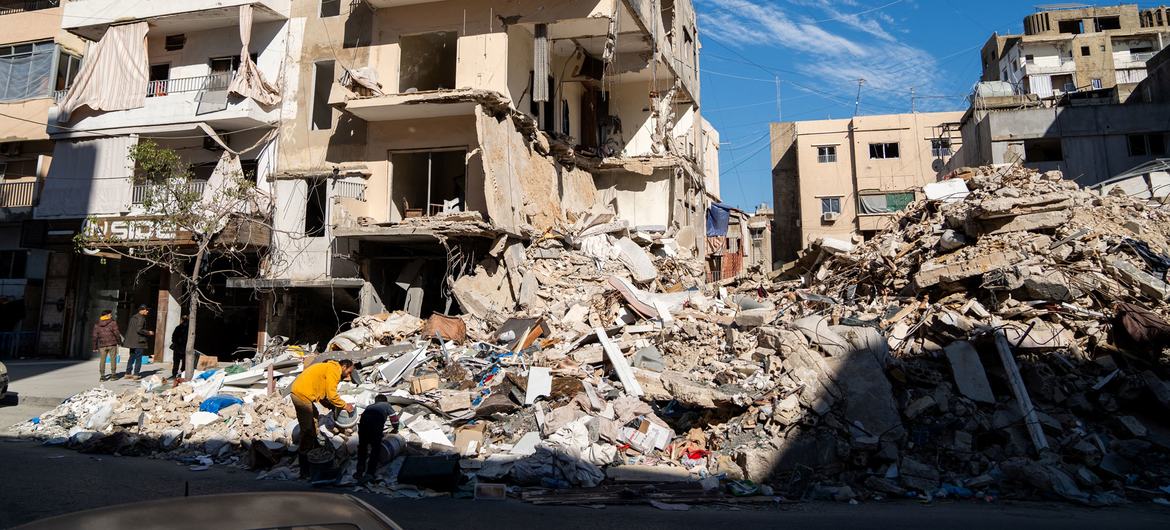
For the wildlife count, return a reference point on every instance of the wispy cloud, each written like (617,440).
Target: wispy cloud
(832,43)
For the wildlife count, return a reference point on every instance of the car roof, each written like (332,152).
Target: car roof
(237,511)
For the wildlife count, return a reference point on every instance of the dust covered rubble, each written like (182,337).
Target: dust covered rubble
(892,368)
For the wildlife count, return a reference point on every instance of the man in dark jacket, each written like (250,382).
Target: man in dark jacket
(179,347)
(370,430)
(106,338)
(136,339)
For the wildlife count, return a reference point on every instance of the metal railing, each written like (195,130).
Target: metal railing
(19,194)
(163,87)
(10,7)
(141,191)
(1134,57)
(351,190)
(216,81)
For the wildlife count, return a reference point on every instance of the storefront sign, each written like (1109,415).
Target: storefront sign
(125,230)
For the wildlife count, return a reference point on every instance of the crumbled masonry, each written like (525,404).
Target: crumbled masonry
(893,368)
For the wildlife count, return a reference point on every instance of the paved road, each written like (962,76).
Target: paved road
(37,482)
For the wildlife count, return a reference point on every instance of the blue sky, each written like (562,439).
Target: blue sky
(818,49)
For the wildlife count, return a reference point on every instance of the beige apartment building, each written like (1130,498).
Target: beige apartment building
(37,58)
(1078,48)
(844,178)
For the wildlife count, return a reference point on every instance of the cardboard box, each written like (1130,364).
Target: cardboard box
(424,383)
(206,362)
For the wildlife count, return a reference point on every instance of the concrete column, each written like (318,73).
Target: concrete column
(369,303)
(169,314)
(262,322)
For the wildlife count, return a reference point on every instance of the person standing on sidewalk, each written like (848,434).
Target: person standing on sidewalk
(106,337)
(136,339)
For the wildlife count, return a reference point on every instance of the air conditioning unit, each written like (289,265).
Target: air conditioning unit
(830,217)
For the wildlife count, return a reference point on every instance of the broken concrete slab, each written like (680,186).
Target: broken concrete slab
(620,365)
(868,395)
(967,369)
(691,393)
(636,260)
(1145,282)
(817,330)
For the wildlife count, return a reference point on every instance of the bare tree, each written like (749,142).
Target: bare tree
(181,226)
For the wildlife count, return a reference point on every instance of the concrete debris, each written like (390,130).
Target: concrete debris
(970,349)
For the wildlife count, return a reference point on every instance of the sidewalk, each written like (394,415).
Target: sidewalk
(39,385)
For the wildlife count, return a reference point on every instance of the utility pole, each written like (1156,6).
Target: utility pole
(913,102)
(779,108)
(857,105)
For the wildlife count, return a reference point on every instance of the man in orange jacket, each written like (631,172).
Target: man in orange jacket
(317,384)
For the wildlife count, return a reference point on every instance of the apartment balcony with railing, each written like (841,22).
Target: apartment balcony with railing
(91,18)
(1126,59)
(10,7)
(1055,64)
(140,193)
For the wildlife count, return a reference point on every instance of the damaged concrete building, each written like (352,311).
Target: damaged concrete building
(432,135)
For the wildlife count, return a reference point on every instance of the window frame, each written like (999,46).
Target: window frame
(885,150)
(47,47)
(829,157)
(1152,145)
(829,201)
(318,101)
(939,151)
(321,9)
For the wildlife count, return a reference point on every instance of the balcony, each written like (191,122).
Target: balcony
(141,192)
(9,7)
(1132,60)
(178,101)
(23,194)
(1050,65)
(90,18)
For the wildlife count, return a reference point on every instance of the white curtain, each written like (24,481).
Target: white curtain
(114,74)
(88,178)
(249,82)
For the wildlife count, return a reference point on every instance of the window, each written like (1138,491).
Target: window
(316,208)
(174,43)
(883,151)
(429,182)
(1043,150)
(883,203)
(940,147)
(428,61)
(322,84)
(1086,51)
(1153,144)
(826,154)
(1107,23)
(830,205)
(15,169)
(1030,59)
(330,8)
(67,67)
(1075,27)
(26,70)
(13,263)
(1097,84)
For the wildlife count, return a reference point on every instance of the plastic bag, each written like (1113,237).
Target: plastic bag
(215,404)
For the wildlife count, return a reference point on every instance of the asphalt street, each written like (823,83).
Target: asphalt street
(38,482)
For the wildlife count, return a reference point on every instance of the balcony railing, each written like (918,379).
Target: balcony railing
(142,191)
(19,194)
(351,190)
(215,82)
(1134,57)
(9,7)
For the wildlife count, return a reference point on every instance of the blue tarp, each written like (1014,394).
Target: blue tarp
(718,217)
(215,404)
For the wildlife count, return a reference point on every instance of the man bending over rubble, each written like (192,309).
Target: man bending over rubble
(370,429)
(318,383)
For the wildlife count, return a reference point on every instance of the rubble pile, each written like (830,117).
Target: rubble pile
(1005,337)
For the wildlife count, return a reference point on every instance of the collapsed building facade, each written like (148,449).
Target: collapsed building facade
(395,141)
(424,136)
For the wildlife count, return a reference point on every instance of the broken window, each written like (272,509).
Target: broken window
(322,84)
(940,147)
(174,43)
(830,205)
(883,203)
(429,182)
(330,8)
(883,151)
(1107,23)
(1043,150)
(1074,27)
(826,154)
(1153,144)
(316,208)
(428,62)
